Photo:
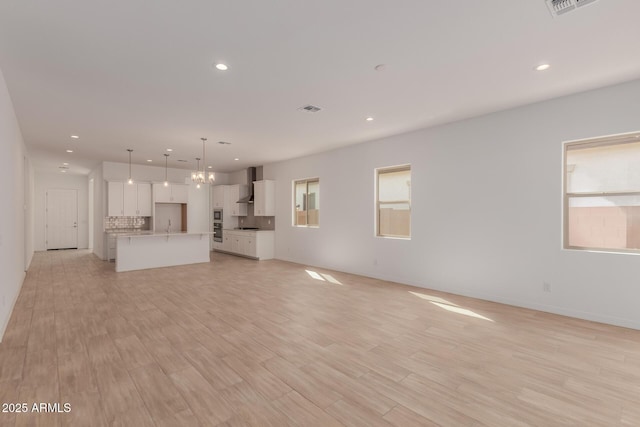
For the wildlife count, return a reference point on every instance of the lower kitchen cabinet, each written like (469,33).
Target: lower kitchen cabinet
(110,244)
(257,244)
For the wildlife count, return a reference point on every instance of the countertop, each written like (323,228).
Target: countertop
(149,233)
(240,229)
(118,231)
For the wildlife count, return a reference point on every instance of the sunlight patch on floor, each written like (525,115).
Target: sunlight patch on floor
(323,277)
(432,298)
(449,306)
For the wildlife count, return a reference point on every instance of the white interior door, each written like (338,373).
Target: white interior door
(62,219)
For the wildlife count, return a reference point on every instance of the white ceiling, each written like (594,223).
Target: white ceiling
(139,74)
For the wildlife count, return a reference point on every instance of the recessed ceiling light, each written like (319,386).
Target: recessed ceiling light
(169,149)
(222,67)
(236,159)
(63,171)
(369,119)
(69,151)
(149,160)
(75,136)
(65,164)
(210,167)
(542,67)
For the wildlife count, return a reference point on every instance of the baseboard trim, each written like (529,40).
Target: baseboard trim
(5,321)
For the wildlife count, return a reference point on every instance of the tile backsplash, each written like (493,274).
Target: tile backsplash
(136,222)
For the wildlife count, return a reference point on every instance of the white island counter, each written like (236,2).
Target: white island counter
(138,251)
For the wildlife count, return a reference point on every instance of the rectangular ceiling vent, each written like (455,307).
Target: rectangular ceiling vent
(310,108)
(560,7)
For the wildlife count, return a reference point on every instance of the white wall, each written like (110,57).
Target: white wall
(99,207)
(29,197)
(16,184)
(51,181)
(143,173)
(486,214)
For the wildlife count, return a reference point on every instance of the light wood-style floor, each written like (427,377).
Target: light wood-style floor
(238,342)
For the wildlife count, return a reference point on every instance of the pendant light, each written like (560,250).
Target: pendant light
(200,176)
(130,179)
(166,181)
(197,173)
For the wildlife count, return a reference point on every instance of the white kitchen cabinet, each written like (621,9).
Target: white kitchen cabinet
(250,249)
(110,244)
(162,193)
(233,194)
(218,196)
(264,200)
(237,244)
(179,193)
(144,200)
(172,193)
(137,199)
(226,242)
(253,244)
(130,196)
(126,199)
(115,199)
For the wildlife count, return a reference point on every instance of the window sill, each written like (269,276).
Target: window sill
(394,237)
(603,251)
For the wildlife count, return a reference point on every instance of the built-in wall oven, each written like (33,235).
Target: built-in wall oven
(217,225)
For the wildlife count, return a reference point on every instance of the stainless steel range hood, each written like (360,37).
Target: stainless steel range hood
(251,176)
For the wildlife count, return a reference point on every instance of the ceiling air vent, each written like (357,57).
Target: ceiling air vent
(560,7)
(310,108)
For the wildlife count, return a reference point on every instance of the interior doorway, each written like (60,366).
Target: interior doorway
(62,219)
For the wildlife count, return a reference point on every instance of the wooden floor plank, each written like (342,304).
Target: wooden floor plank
(237,342)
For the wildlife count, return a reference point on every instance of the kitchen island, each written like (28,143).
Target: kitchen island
(139,251)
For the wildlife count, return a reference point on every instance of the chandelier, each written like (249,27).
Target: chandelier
(201,176)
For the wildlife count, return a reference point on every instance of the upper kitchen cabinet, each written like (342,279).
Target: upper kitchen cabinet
(264,200)
(172,193)
(144,200)
(129,199)
(115,199)
(137,199)
(233,194)
(218,196)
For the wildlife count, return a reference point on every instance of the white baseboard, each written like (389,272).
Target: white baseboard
(5,321)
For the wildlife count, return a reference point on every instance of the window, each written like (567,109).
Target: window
(306,203)
(602,194)
(393,201)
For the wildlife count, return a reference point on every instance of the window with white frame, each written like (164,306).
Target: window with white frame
(393,201)
(602,194)
(306,202)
